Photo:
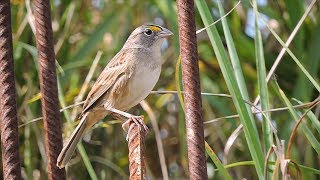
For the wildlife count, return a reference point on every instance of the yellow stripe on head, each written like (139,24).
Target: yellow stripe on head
(154,28)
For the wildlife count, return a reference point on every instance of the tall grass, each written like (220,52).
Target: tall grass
(230,62)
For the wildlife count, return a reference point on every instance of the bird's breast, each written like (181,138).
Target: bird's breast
(144,80)
(140,84)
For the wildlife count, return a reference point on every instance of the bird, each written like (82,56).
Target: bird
(126,80)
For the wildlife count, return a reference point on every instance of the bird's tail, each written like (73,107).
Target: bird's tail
(68,149)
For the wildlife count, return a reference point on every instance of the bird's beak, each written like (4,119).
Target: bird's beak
(165,33)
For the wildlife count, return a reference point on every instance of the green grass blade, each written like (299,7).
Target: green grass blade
(245,114)
(178,81)
(314,120)
(87,162)
(182,121)
(251,163)
(262,83)
(312,117)
(295,9)
(111,165)
(217,162)
(303,88)
(307,132)
(27,154)
(233,54)
(81,149)
(295,59)
(241,163)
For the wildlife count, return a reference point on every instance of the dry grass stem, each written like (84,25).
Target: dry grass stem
(218,20)
(305,105)
(85,85)
(294,131)
(288,42)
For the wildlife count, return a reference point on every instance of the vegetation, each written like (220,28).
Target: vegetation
(233,69)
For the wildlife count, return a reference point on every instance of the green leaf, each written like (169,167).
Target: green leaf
(262,83)
(295,59)
(217,162)
(251,163)
(81,149)
(244,111)
(313,118)
(307,132)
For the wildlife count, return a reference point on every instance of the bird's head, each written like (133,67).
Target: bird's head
(148,36)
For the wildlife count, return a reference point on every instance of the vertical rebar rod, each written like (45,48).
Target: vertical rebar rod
(192,91)
(8,106)
(136,147)
(48,87)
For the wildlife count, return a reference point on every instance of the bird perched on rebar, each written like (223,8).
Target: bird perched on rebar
(127,79)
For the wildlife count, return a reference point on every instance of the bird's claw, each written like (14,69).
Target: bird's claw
(138,120)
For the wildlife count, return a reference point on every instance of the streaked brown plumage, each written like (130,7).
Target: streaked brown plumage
(126,80)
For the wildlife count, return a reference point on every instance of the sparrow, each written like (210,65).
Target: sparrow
(127,79)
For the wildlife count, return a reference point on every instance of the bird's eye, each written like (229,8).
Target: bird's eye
(148,32)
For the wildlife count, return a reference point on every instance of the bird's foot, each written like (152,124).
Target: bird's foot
(137,120)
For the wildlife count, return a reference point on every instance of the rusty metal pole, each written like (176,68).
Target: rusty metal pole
(136,147)
(8,106)
(192,91)
(48,86)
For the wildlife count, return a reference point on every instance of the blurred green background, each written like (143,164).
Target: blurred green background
(82,28)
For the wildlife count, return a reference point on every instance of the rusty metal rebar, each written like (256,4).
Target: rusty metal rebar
(48,87)
(8,105)
(136,147)
(192,91)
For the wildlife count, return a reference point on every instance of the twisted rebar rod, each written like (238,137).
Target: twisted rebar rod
(192,91)
(136,147)
(8,106)
(48,86)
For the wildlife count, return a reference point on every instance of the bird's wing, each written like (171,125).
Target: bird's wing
(113,72)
